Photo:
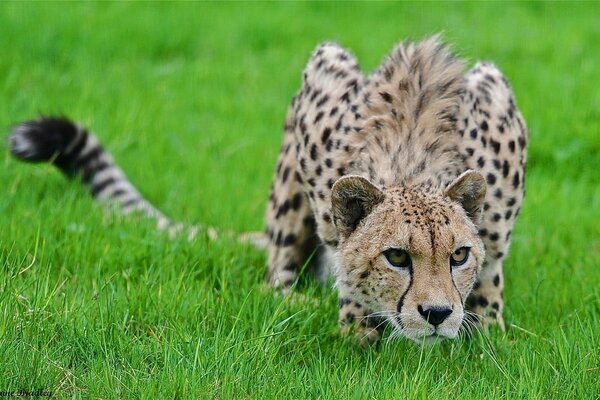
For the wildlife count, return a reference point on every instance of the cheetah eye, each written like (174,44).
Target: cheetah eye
(459,257)
(398,258)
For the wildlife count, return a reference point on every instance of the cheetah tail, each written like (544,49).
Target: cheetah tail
(78,153)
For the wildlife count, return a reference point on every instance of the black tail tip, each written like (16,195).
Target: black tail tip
(41,139)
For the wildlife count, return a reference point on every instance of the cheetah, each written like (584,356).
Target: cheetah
(406,182)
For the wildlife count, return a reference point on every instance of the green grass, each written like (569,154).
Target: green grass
(190,99)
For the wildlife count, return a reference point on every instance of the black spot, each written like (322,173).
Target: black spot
(496,280)
(364,274)
(320,64)
(286,173)
(484,126)
(483,232)
(515,181)
(318,170)
(325,135)
(495,145)
(297,201)
(491,179)
(289,240)
(328,162)
(345,97)
(495,306)
(480,162)
(388,74)
(283,209)
(496,217)
(482,301)
(505,169)
(311,182)
(497,164)
(511,146)
(494,236)
(313,152)
(386,96)
(323,100)
(498,193)
(326,217)
(470,151)
(508,214)
(338,125)
(511,202)
(318,117)
(474,133)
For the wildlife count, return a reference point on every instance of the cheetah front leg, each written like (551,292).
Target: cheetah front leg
(356,320)
(495,144)
(486,298)
(290,226)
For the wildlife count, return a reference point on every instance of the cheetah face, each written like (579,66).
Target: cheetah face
(408,254)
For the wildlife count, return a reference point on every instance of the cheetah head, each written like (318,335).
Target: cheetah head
(410,254)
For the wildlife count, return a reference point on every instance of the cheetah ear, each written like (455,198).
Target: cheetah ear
(352,199)
(468,190)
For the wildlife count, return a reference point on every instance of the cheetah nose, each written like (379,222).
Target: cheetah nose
(435,315)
